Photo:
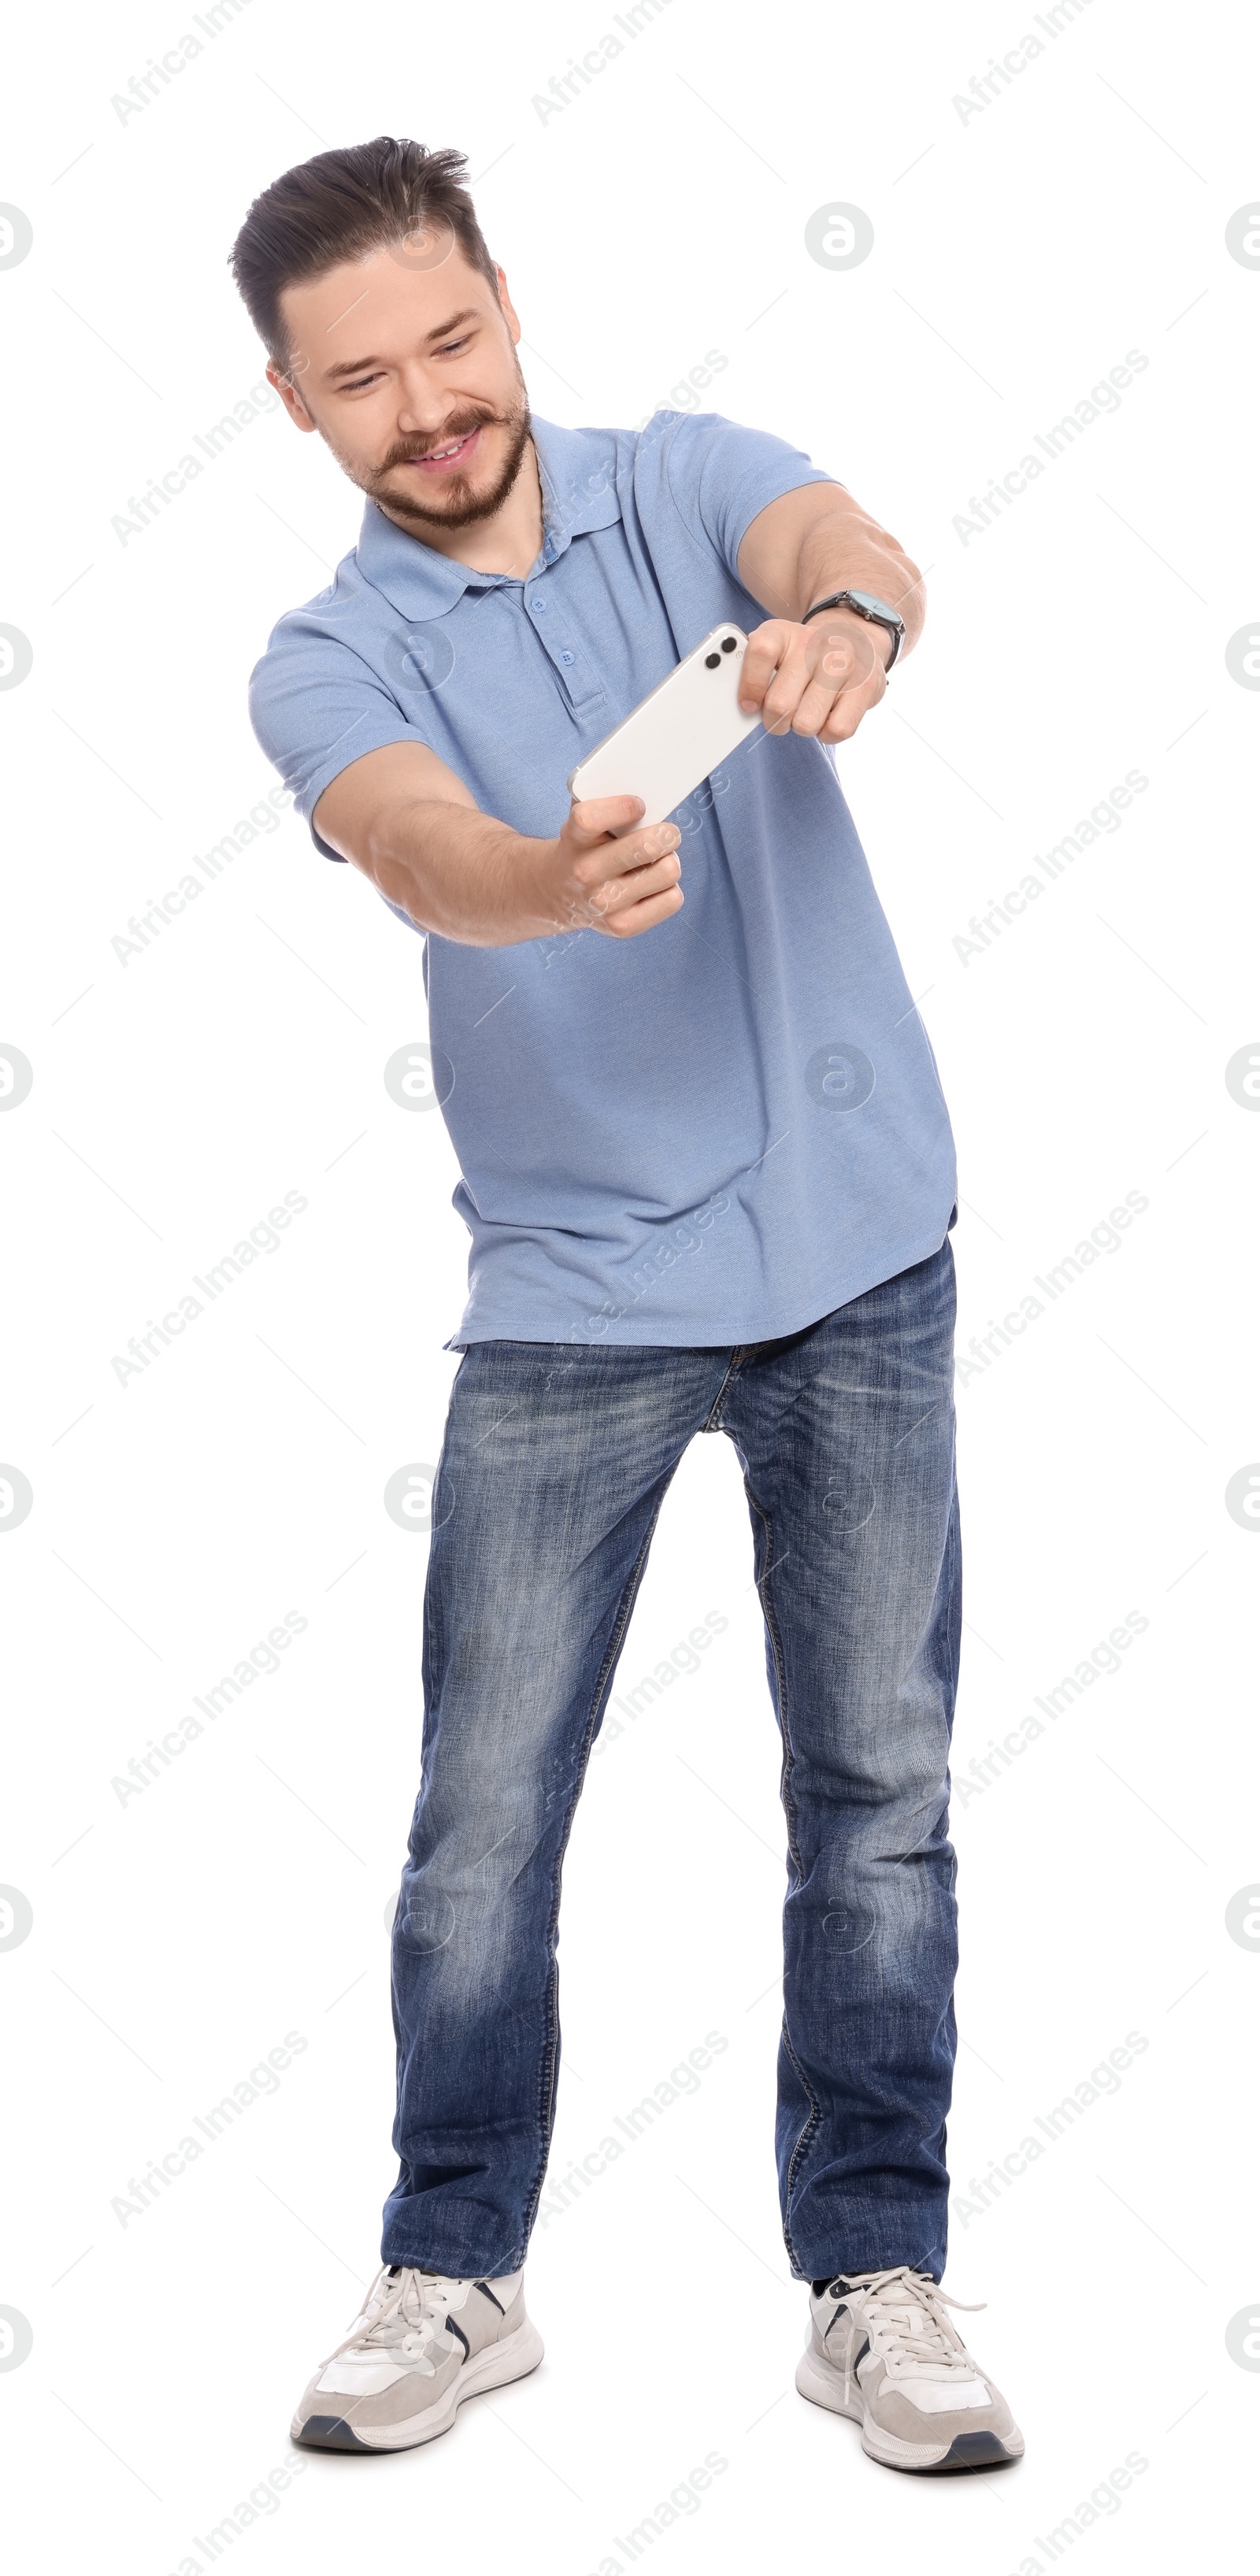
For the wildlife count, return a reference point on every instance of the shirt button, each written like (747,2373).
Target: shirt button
(568,657)
(539,604)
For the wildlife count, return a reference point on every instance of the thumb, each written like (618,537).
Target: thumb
(594,818)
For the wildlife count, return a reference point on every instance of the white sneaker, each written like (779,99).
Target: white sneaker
(420,2344)
(882,2350)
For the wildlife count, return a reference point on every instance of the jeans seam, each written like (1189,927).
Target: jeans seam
(767,1608)
(603,1681)
(714,1420)
(803,2143)
(955,1569)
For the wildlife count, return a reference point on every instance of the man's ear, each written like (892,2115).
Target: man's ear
(510,315)
(284,382)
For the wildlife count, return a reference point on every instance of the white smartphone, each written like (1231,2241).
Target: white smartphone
(677,736)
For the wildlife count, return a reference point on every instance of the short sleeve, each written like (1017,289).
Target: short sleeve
(315,706)
(721,475)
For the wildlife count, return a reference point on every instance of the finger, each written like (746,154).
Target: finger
(819,702)
(836,686)
(592,818)
(620,856)
(635,917)
(620,893)
(848,711)
(816,670)
(766,647)
(850,660)
(786,690)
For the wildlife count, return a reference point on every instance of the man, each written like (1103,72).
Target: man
(709,1179)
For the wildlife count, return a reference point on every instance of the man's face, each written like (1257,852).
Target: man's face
(405,362)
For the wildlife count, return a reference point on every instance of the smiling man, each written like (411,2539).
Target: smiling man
(708,1176)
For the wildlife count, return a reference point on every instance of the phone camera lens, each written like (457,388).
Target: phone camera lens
(728,643)
(711,661)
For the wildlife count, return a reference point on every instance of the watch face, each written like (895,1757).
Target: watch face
(866,599)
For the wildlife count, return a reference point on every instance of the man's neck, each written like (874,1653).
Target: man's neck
(510,542)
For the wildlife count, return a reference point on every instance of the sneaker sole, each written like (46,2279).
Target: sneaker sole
(980,2450)
(514,2358)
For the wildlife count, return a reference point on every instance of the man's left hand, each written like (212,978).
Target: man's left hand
(818,679)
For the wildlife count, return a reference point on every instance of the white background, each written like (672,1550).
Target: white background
(1018,256)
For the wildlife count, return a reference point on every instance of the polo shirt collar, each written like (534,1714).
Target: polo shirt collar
(577,468)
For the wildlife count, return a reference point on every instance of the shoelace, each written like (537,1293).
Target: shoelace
(901,2311)
(407,2315)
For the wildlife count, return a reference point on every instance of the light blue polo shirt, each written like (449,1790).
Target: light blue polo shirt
(719,1131)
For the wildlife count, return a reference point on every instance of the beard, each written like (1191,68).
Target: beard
(460,504)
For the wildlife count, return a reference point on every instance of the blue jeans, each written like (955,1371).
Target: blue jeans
(555,1463)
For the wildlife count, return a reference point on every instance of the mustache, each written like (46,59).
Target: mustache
(407,451)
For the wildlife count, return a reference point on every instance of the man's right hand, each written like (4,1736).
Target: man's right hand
(609,876)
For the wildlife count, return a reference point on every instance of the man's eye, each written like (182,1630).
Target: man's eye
(449,347)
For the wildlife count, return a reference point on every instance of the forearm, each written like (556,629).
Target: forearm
(410,825)
(458,872)
(848,550)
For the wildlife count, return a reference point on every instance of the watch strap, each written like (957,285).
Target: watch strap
(892,624)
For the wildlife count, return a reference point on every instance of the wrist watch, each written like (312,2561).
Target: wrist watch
(864,604)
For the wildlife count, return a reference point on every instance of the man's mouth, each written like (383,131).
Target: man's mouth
(457,451)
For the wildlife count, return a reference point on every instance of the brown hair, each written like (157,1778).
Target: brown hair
(340,206)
